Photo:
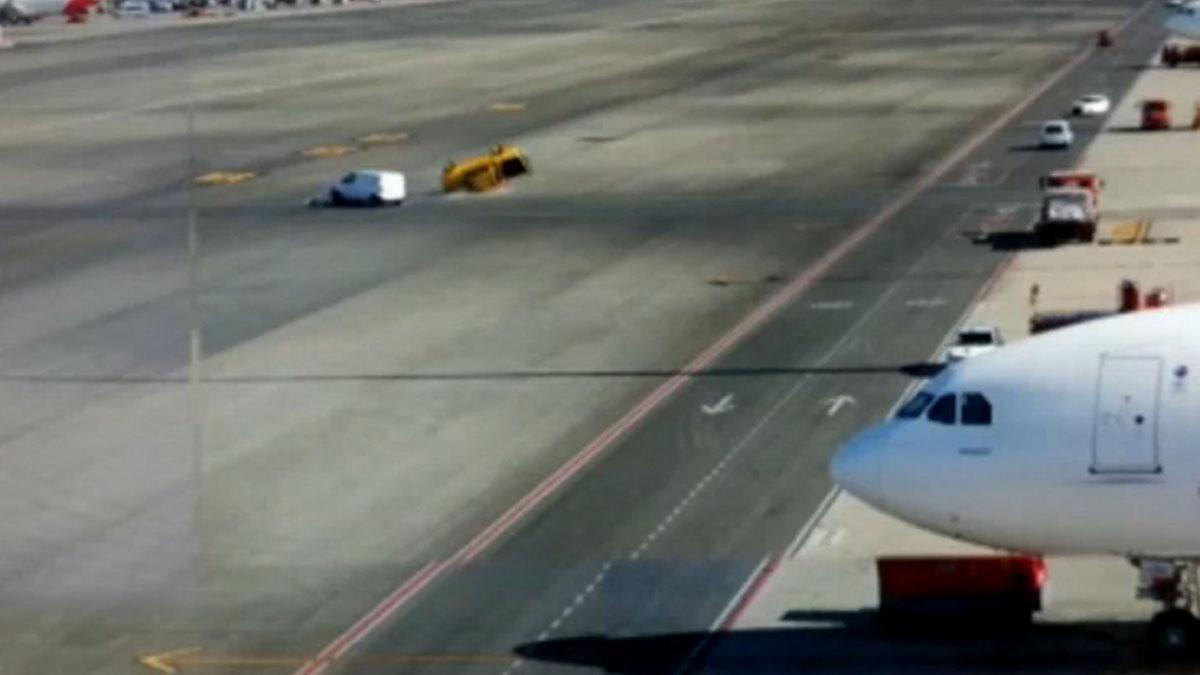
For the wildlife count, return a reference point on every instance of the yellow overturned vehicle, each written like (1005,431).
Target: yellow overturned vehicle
(485,172)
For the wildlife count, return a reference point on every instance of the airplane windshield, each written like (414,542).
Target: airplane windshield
(915,406)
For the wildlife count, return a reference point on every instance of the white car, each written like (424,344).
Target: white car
(1056,134)
(1092,104)
(368,187)
(133,8)
(973,341)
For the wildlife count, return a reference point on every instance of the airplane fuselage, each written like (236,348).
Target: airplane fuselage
(1092,444)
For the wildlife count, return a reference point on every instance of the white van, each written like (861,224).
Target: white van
(367,187)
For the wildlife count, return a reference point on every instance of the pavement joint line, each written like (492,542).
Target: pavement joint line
(750,323)
(722,617)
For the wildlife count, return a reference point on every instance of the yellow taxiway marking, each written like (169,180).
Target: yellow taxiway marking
(506,107)
(174,661)
(382,138)
(329,151)
(224,178)
(1132,232)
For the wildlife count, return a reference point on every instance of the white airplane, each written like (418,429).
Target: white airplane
(28,11)
(1183,18)
(1084,440)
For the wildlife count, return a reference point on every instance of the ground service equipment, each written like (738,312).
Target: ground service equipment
(1156,115)
(485,172)
(994,587)
(1068,214)
(1173,54)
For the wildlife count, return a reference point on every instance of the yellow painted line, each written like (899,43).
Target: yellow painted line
(382,138)
(176,660)
(329,151)
(506,107)
(224,178)
(1143,233)
(1126,233)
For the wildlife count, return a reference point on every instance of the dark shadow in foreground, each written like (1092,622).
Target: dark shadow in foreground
(918,369)
(855,642)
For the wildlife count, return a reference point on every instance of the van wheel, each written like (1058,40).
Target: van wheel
(374,200)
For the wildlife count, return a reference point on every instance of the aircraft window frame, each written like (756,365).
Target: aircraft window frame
(975,409)
(915,407)
(937,412)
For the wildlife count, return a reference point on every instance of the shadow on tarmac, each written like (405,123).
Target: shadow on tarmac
(1137,129)
(855,642)
(1008,241)
(1034,147)
(918,370)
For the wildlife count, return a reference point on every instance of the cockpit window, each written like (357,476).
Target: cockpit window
(943,410)
(976,409)
(915,406)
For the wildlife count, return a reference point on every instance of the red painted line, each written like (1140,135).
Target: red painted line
(365,624)
(751,593)
(751,322)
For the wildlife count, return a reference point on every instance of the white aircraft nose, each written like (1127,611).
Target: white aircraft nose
(1183,24)
(858,467)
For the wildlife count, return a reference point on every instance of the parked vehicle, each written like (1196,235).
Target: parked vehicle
(1156,115)
(1174,54)
(1001,588)
(1068,214)
(133,8)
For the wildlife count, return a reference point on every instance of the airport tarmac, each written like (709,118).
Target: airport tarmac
(814,606)
(242,448)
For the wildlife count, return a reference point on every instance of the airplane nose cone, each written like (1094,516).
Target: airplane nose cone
(1184,25)
(858,468)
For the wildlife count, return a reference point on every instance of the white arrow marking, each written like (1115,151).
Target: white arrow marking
(720,407)
(835,404)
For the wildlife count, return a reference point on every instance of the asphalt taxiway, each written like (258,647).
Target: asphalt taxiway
(235,423)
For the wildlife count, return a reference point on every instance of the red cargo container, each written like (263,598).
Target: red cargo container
(1002,587)
(1156,115)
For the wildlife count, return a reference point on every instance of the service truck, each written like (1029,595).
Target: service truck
(1068,214)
